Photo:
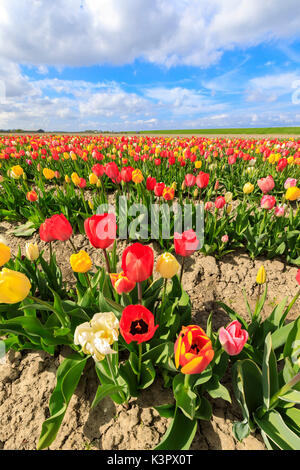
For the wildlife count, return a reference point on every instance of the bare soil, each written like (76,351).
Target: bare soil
(27,379)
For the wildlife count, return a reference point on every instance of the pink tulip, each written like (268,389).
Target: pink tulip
(267,202)
(279,211)
(290,183)
(233,338)
(266,184)
(208,206)
(224,239)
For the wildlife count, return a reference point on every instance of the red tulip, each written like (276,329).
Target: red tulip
(82,183)
(220,202)
(202,180)
(112,171)
(126,174)
(298,276)
(282,163)
(159,189)
(101,230)
(150,183)
(45,231)
(61,227)
(56,228)
(186,243)
(31,196)
(137,262)
(137,324)
(190,180)
(98,170)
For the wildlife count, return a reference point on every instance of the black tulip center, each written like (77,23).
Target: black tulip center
(138,327)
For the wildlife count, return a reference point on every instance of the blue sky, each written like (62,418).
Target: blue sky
(149,64)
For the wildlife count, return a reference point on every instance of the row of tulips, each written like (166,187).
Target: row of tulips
(245,185)
(135,328)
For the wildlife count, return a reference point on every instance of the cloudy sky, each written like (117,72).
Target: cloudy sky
(149,64)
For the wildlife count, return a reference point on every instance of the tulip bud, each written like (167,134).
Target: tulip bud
(167,265)
(228,209)
(32,251)
(228,197)
(261,276)
(183,186)
(195,193)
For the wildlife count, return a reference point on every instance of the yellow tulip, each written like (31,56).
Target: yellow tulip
(67,179)
(198,164)
(167,265)
(14,286)
(48,173)
(292,194)
(261,276)
(75,179)
(137,176)
(248,188)
(93,179)
(4,254)
(81,262)
(16,172)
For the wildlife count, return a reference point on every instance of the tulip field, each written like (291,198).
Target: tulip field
(154,280)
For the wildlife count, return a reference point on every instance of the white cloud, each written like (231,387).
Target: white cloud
(86,32)
(269,88)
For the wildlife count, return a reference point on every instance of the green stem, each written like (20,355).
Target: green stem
(140,292)
(140,362)
(107,261)
(182,269)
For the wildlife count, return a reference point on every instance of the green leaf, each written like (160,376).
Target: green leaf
(25,230)
(216,390)
(147,375)
(292,344)
(280,336)
(159,354)
(180,433)
(276,430)
(204,410)
(276,315)
(68,376)
(184,396)
(292,396)
(269,372)
(166,411)
(241,430)
(247,385)
(103,391)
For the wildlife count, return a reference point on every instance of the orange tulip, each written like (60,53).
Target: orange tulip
(121,283)
(193,350)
